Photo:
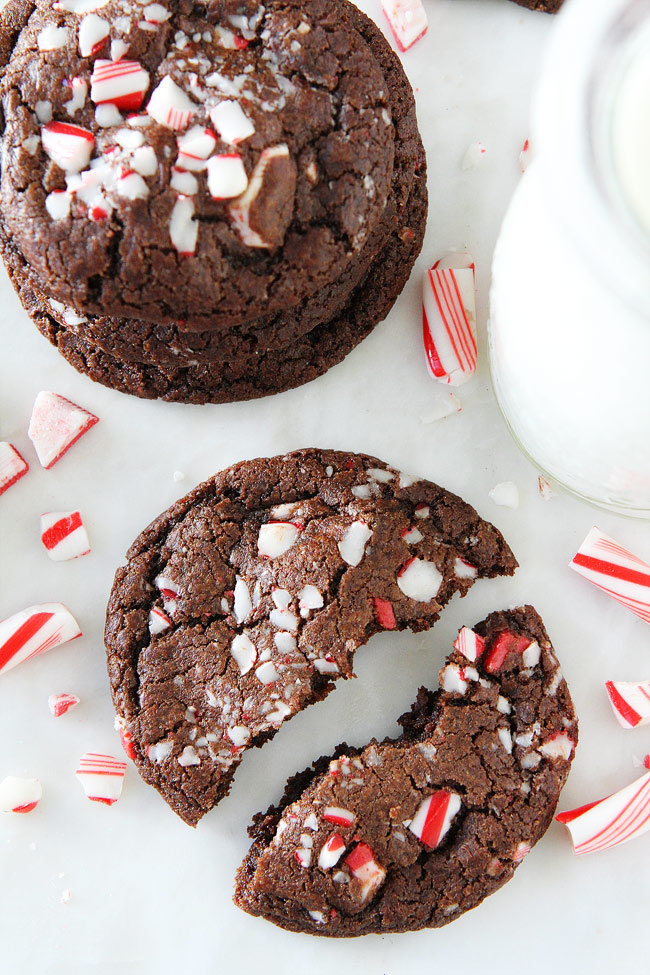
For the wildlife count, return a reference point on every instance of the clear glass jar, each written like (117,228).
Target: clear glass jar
(570,302)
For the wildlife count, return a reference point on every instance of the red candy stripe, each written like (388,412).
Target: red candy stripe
(616,571)
(448,321)
(384,613)
(630,702)
(609,822)
(35,630)
(12,466)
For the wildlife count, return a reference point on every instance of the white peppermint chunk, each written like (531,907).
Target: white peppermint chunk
(506,739)
(530,656)
(376,474)
(266,673)
(505,494)
(559,746)
(243,601)
(183,228)
(276,537)
(285,642)
(352,545)
(281,598)
(244,653)
(310,598)
(419,580)
(231,122)
(160,751)
(93,31)
(52,38)
(452,681)
(284,619)
(188,757)
(239,735)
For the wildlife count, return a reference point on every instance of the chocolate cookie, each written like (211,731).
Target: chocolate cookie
(412,832)
(248,598)
(121,232)
(546,6)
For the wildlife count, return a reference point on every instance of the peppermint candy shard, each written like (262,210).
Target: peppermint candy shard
(419,580)
(277,537)
(69,146)
(630,702)
(616,571)
(353,544)
(170,105)
(505,644)
(434,817)
(231,122)
(55,425)
(120,83)
(226,176)
(449,323)
(384,613)
(407,19)
(61,703)
(63,535)
(611,821)
(93,34)
(194,148)
(101,777)
(331,852)
(33,631)
(469,643)
(338,816)
(362,865)
(12,466)
(270,190)
(19,795)
(183,228)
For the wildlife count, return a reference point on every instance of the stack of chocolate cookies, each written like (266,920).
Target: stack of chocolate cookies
(206,201)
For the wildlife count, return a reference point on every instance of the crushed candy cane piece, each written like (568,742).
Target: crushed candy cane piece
(449,323)
(170,106)
(473,156)
(69,146)
(384,613)
(122,83)
(231,122)
(505,644)
(630,702)
(159,621)
(609,822)
(505,494)
(443,407)
(61,703)
(271,187)
(183,228)
(353,544)
(101,777)
(338,816)
(194,148)
(33,631)
(616,571)
(559,745)
(226,176)
(55,425)
(434,816)
(19,795)
(93,34)
(524,156)
(52,38)
(419,580)
(464,569)
(362,865)
(545,489)
(276,537)
(243,652)
(407,19)
(12,466)
(331,852)
(469,643)
(64,536)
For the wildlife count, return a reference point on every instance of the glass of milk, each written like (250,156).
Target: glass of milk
(570,301)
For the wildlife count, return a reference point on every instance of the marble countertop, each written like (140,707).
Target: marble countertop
(147,893)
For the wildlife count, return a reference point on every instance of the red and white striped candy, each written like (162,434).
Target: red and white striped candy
(384,613)
(101,777)
(35,630)
(616,571)
(449,321)
(226,176)
(170,106)
(505,644)
(158,621)
(64,536)
(19,795)
(12,466)
(240,212)
(60,703)
(338,816)
(194,148)
(407,19)
(362,864)
(69,146)
(122,83)
(630,702)
(331,852)
(469,643)
(93,34)
(55,425)
(433,818)
(611,821)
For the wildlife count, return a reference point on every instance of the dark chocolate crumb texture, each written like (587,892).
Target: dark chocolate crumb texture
(546,6)
(186,186)
(411,833)
(248,598)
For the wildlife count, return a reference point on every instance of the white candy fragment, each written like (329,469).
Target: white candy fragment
(93,33)
(226,176)
(407,19)
(284,619)
(240,211)
(558,746)
(469,643)
(155,13)
(122,83)
(101,777)
(158,621)
(545,489)
(184,183)
(55,425)
(243,602)
(183,228)
(34,631)
(353,544)
(506,739)
(266,673)
(59,704)
(189,757)
(309,598)
(452,680)
(131,186)
(434,817)
(444,406)
(331,852)
(473,156)
(69,146)
(244,653)
(12,466)
(464,569)
(239,735)
(194,147)
(276,537)
(51,38)
(449,320)
(419,580)
(505,494)
(64,535)
(19,795)
(231,122)
(160,751)
(531,655)
(170,106)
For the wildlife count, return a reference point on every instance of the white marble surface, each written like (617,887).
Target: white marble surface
(148,894)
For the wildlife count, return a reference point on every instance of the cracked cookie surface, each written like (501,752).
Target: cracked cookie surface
(412,832)
(248,598)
